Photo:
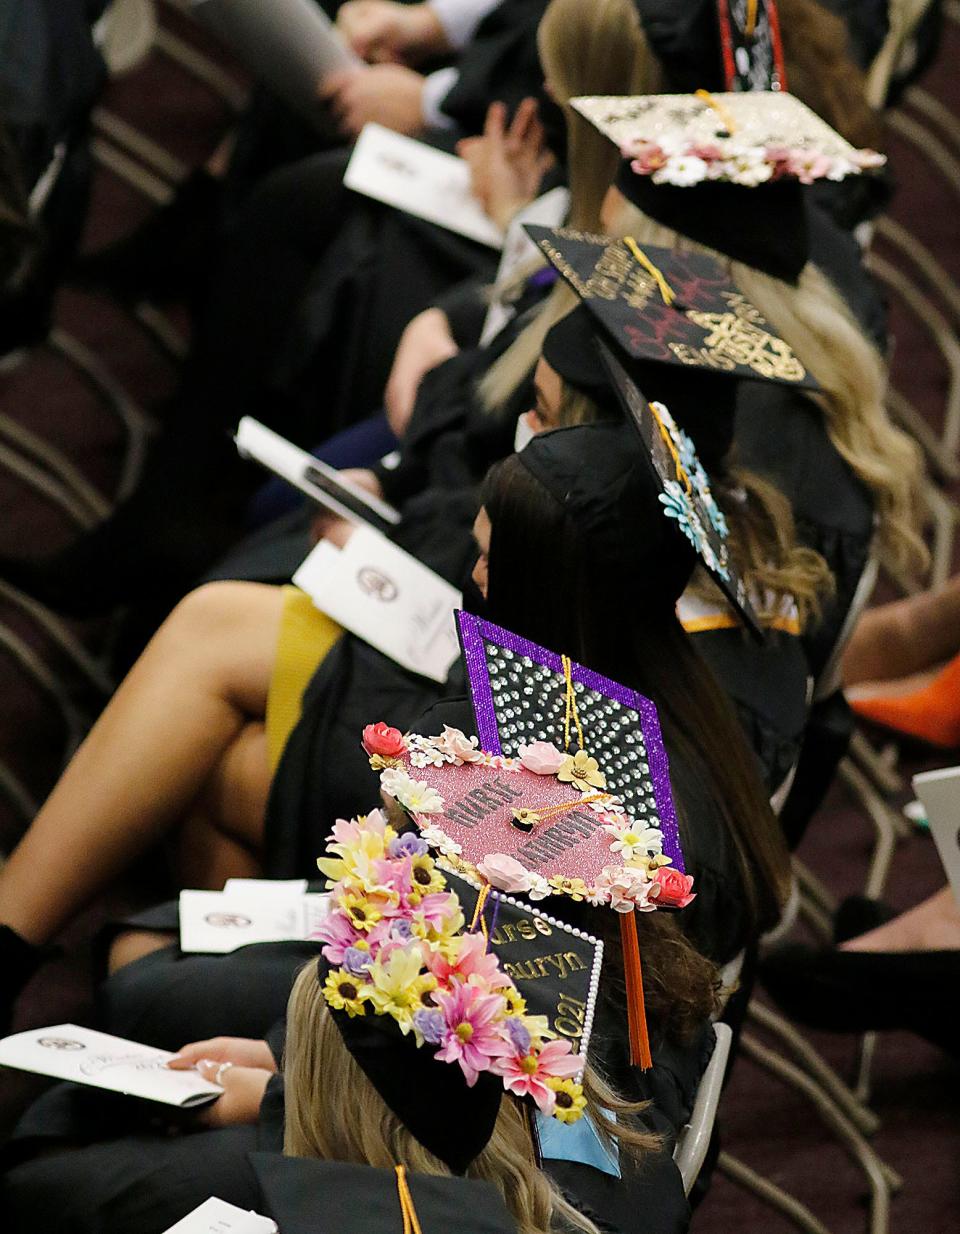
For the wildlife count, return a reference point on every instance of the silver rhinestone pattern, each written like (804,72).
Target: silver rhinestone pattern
(529,703)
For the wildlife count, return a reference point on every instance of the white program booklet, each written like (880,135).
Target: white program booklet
(215,922)
(324,484)
(69,1052)
(548,210)
(940,793)
(386,597)
(414,177)
(290,45)
(218,1217)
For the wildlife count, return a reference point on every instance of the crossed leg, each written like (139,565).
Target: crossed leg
(179,746)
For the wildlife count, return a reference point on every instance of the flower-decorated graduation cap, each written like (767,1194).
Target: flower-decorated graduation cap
(565,792)
(727,169)
(445,992)
(671,307)
(307,1196)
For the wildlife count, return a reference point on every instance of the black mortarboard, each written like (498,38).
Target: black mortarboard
(686,494)
(307,1196)
(671,307)
(703,404)
(432,1099)
(727,169)
(595,472)
(639,518)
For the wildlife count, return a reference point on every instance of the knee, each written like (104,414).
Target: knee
(210,618)
(133,945)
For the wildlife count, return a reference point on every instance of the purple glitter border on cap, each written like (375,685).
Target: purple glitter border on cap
(478,679)
(474,631)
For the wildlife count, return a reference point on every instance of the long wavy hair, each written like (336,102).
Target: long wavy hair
(333,1112)
(815,320)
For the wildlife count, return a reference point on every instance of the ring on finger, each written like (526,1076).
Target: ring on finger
(218,1074)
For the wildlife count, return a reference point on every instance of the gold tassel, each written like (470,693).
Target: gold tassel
(411,1223)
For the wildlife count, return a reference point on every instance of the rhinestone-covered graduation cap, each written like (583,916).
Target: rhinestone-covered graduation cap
(672,307)
(544,820)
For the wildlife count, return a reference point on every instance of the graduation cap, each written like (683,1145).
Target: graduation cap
(423,1000)
(309,1196)
(686,495)
(670,307)
(565,792)
(727,169)
(660,462)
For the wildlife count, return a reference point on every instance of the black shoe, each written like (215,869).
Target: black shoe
(859,915)
(19,960)
(168,256)
(861,991)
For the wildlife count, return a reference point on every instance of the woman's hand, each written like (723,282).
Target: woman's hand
(425,343)
(507,163)
(387,94)
(243,1089)
(239,1051)
(380,31)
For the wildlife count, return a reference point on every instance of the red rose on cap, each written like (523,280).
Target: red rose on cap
(383,740)
(674,888)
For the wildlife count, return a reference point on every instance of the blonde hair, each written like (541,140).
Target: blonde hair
(814,319)
(333,1112)
(595,48)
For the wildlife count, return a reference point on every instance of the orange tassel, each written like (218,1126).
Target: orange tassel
(636,1013)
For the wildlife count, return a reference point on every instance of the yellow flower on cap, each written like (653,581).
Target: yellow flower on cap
(398,986)
(362,913)
(582,771)
(344,992)
(426,879)
(570,1099)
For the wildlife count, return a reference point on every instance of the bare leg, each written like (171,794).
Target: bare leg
(933,925)
(905,636)
(219,839)
(204,675)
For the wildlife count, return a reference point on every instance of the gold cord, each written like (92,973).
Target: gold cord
(751,22)
(411,1223)
(728,121)
(666,291)
(571,705)
(668,442)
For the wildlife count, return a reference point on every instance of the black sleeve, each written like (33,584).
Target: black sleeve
(465,307)
(501,63)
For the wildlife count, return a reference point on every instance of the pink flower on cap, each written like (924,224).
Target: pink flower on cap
(674,888)
(541,757)
(505,873)
(381,739)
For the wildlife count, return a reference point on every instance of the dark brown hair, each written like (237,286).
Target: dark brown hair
(544,584)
